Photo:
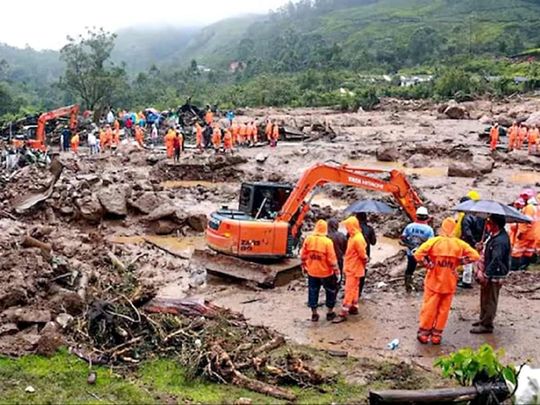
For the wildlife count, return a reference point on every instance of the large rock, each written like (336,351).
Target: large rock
(147,202)
(486,120)
(456,111)
(163,211)
(504,121)
(114,200)
(534,119)
(387,154)
(197,222)
(478,166)
(90,208)
(418,160)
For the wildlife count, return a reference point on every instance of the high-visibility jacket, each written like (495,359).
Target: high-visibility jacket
(318,255)
(445,252)
(354,262)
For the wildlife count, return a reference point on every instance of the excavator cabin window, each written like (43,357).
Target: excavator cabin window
(263,200)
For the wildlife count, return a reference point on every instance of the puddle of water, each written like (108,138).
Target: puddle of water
(525,178)
(173,184)
(184,245)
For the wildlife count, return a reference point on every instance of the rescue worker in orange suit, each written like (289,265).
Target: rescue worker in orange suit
(242,133)
(513,134)
(523,131)
(216,138)
(536,227)
(108,135)
(494,137)
(275,136)
(102,140)
(249,133)
(532,140)
(268,130)
(75,143)
(320,263)
(178,143)
(354,265)
(235,130)
(169,142)
(441,256)
(524,247)
(139,135)
(116,125)
(198,136)
(228,141)
(115,138)
(209,116)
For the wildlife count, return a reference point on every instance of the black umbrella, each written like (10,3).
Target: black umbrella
(489,207)
(369,206)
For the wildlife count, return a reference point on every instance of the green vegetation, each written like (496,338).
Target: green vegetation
(63,378)
(467,365)
(302,55)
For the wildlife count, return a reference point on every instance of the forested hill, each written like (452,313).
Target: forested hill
(387,34)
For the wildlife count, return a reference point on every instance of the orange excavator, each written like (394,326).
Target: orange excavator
(267,224)
(39,142)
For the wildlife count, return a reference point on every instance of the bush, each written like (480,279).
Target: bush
(452,82)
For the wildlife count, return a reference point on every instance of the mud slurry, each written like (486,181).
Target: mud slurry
(150,214)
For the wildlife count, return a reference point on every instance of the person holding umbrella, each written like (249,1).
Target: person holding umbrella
(494,264)
(492,272)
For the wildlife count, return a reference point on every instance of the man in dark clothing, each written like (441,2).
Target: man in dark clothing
(371,240)
(66,139)
(340,242)
(496,265)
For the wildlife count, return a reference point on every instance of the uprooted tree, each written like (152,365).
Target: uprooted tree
(89,73)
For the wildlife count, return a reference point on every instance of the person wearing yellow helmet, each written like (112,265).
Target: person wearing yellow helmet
(473,195)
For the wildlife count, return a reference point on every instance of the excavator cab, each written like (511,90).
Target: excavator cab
(263,200)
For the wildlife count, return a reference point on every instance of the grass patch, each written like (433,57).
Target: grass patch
(62,378)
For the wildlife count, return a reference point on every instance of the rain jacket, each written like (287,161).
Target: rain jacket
(497,256)
(356,256)
(445,253)
(318,255)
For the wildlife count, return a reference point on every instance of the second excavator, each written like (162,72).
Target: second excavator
(261,237)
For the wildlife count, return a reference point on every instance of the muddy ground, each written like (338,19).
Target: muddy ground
(146,213)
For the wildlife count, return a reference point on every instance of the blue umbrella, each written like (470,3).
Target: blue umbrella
(489,207)
(369,206)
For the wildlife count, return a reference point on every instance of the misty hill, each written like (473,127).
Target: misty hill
(140,48)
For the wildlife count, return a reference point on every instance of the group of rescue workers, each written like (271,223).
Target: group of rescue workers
(210,135)
(518,135)
(483,249)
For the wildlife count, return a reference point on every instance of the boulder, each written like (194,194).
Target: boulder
(197,222)
(114,200)
(261,157)
(534,119)
(163,227)
(418,160)
(146,202)
(486,120)
(456,111)
(163,211)
(478,166)
(387,154)
(90,208)
(504,121)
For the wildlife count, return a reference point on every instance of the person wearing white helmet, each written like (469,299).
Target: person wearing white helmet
(413,236)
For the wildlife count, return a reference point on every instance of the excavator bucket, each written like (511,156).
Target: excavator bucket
(266,275)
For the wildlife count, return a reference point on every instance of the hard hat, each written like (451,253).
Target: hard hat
(473,195)
(422,211)
(519,203)
(532,201)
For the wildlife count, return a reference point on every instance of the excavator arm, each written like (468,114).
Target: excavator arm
(295,208)
(72,111)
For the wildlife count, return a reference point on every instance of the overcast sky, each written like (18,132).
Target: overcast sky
(44,24)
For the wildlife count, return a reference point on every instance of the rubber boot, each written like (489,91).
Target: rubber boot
(408,283)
